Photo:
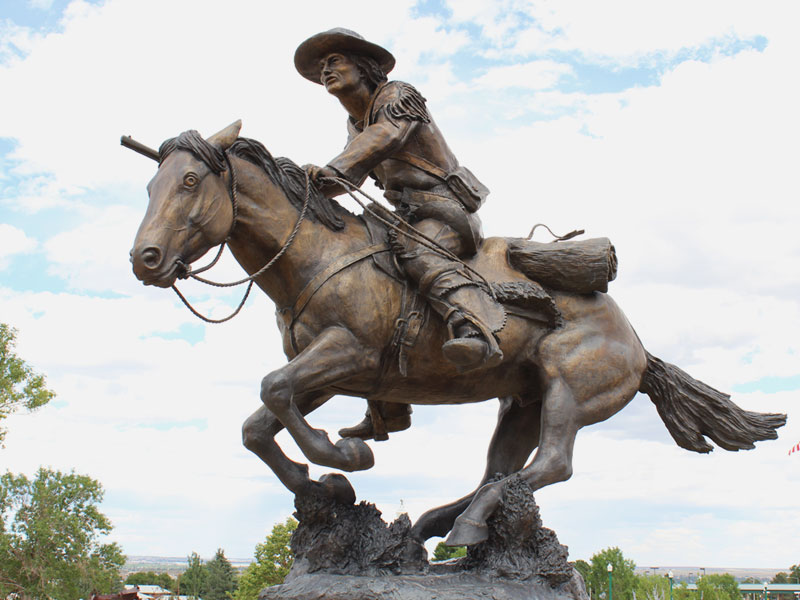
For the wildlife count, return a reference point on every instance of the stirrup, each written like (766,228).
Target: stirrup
(472,352)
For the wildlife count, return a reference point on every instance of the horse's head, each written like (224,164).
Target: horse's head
(190,210)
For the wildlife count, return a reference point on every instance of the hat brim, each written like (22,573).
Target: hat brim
(308,55)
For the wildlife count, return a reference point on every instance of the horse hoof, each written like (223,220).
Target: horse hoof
(467,532)
(358,455)
(336,486)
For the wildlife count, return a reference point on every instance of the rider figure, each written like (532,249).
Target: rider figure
(393,138)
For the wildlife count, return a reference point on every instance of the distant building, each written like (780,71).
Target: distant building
(764,591)
(144,592)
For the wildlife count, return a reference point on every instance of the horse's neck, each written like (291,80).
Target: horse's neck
(265,221)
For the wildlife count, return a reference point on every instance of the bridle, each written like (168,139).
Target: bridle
(193,273)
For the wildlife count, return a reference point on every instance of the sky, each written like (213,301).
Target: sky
(669,127)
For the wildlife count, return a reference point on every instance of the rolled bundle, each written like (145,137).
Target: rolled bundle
(581,266)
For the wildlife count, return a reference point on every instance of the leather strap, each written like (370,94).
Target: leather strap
(320,278)
(421,163)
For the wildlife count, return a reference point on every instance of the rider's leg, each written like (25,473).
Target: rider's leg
(470,313)
(391,417)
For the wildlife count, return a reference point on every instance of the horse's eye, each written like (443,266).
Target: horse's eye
(190,180)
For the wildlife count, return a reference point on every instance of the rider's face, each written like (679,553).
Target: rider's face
(339,74)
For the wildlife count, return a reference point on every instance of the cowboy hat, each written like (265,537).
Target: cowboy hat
(308,55)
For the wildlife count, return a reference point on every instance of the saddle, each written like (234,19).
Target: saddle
(527,299)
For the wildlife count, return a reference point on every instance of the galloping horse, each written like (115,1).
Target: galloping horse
(338,317)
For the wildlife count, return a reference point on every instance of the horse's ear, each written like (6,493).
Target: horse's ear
(227,136)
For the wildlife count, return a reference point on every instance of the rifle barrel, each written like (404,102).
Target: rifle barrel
(131,143)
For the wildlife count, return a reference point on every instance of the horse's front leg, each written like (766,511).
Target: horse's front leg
(258,436)
(332,358)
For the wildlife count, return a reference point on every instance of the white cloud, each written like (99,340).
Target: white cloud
(622,32)
(535,75)
(13,241)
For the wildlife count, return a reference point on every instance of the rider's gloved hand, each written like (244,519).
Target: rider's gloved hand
(316,173)
(321,178)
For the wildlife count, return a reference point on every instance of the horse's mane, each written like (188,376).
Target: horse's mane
(282,171)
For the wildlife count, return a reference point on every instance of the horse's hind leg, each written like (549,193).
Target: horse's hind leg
(552,463)
(515,437)
(578,392)
(258,436)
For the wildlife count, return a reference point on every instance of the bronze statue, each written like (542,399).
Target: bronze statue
(393,138)
(569,356)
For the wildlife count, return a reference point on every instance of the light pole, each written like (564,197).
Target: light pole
(610,581)
(670,584)
(766,593)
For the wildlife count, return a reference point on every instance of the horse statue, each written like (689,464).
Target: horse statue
(338,316)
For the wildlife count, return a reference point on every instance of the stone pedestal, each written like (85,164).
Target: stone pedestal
(460,586)
(347,552)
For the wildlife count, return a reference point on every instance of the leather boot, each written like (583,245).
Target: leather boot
(472,317)
(469,349)
(395,417)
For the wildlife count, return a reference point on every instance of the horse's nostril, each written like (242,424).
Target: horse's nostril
(151,257)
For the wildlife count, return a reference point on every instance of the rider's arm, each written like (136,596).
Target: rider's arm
(370,148)
(398,111)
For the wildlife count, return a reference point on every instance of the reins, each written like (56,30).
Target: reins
(412,232)
(232,192)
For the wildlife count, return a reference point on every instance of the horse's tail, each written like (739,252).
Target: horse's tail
(691,409)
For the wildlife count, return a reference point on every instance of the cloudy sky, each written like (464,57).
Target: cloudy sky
(669,127)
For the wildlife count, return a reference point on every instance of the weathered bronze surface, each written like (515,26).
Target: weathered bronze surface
(552,381)
(503,318)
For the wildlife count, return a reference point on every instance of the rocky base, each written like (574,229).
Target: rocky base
(519,547)
(347,552)
(344,539)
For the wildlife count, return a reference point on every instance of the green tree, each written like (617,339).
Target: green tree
(20,386)
(192,582)
(682,592)
(583,567)
(442,552)
(794,573)
(221,578)
(624,579)
(152,578)
(780,578)
(651,587)
(273,560)
(718,587)
(49,537)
